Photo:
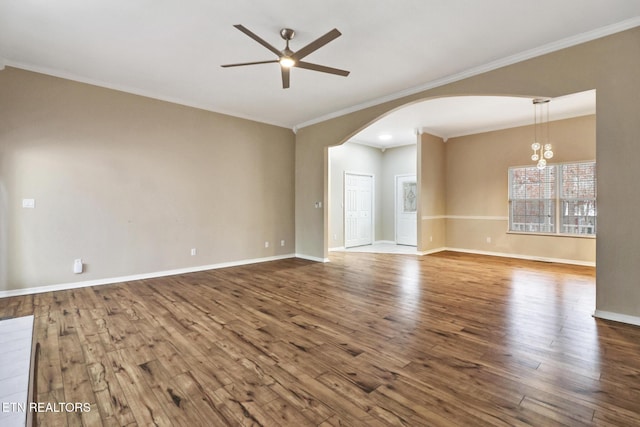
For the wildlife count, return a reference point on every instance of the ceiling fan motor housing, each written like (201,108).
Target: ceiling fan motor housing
(287,33)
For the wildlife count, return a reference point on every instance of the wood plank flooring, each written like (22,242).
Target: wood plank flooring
(365,340)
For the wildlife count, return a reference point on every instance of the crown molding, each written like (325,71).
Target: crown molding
(380,146)
(509,60)
(133,91)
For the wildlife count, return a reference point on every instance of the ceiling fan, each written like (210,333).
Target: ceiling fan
(288,58)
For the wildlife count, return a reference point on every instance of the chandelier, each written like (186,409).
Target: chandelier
(542,148)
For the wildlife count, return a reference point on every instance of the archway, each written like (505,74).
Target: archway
(480,225)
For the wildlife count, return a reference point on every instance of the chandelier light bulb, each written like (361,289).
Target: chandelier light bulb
(542,163)
(547,147)
(548,154)
(535,146)
(535,157)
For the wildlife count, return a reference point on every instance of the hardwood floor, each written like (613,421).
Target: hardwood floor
(367,339)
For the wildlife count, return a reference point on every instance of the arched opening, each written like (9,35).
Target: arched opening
(462,148)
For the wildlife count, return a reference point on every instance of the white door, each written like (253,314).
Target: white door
(358,210)
(406,209)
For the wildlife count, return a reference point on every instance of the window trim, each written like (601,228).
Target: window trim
(558,203)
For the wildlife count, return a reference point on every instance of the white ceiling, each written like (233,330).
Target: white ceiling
(173,50)
(466,115)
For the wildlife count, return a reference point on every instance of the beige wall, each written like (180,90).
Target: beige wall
(477,189)
(608,65)
(131,184)
(431,221)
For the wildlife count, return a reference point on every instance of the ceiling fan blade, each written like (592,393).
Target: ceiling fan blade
(249,63)
(258,39)
(322,68)
(316,44)
(285,77)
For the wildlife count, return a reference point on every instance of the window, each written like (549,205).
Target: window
(578,198)
(557,199)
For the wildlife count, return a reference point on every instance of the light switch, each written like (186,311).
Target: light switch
(29,203)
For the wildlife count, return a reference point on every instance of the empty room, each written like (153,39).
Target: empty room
(319,213)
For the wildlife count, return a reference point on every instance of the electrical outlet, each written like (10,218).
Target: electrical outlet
(266,244)
(488,239)
(77,266)
(194,251)
(281,242)
(431,238)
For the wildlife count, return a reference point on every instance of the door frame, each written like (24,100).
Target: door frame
(344,205)
(395,204)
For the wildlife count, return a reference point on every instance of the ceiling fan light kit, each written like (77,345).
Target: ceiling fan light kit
(287,62)
(289,59)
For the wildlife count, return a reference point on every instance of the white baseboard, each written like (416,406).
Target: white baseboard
(520,256)
(377,242)
(617,317)
(112,280)
(431,251)
(311,258)
(489,253)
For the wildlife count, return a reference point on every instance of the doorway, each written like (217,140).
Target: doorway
(358,209)
(406,209)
